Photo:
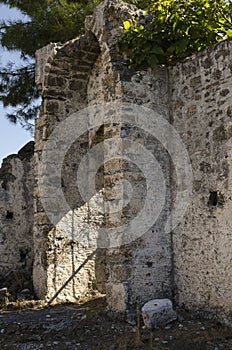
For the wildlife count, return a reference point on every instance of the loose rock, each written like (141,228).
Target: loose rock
(158,312)
(3,294)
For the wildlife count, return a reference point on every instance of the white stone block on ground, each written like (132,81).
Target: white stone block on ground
(158,312)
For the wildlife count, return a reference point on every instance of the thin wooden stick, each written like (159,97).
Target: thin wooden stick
(71,277)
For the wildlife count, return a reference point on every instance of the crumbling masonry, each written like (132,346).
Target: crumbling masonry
(192,264)
(16,230)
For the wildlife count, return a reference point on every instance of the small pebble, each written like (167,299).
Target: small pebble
(164,342)
(180,318)
(156,339)
(55,343)
(48,316)
(167,327)
(180,326)
(113,347)
(2,330)
(202,328)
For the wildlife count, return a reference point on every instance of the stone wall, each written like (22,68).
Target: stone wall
(142,269)
(63,83)
(201,108)
(16,220)
(87,72)
(192,263)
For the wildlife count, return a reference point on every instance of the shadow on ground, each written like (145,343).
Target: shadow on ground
(87,326)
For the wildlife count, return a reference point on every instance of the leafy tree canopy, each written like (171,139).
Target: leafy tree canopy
(178,29)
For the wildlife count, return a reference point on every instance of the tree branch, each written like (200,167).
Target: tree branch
(15,74)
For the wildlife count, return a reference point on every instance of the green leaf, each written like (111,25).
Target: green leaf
(229,32)
(157,50)
(126,25)
(171,49)
(153,61)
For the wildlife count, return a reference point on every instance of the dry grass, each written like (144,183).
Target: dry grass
(22,305)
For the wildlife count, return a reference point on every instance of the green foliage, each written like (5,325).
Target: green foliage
(178,29)
(46,21)
(18,90)
(142,4)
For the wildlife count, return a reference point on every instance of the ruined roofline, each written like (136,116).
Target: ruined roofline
(24,152)
(104,27)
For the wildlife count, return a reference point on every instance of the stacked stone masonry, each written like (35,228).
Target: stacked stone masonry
(16,213)
(192,263)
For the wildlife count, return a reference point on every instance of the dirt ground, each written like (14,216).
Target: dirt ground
(88,326)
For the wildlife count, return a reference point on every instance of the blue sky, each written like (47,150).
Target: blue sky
(12,137)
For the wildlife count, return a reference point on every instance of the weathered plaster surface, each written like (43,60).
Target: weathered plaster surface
(201,109)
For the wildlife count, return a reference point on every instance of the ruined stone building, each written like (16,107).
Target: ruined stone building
(90,90)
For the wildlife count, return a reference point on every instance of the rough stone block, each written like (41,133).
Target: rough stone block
(25,294)
(158,312)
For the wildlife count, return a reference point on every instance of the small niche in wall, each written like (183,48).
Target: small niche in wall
(216,198)
(9,214)
(23,255)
